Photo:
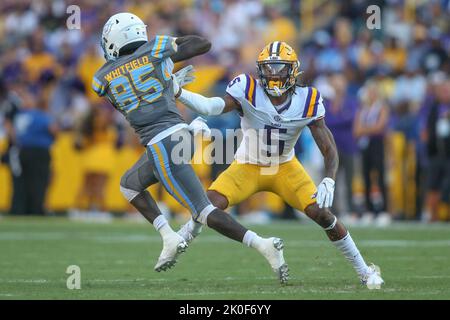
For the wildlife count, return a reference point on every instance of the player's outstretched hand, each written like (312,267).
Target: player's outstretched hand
(325,193)
(185,75)
(199,125)
(181,78)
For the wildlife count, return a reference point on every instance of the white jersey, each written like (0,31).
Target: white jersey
(269,133)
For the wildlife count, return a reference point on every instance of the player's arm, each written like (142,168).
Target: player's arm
(207,106)
(325,141)
(190,46)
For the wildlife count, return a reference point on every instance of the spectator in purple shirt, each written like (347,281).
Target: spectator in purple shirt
(341,110)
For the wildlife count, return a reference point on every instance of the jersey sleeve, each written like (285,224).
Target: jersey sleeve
(320,114)
(314,108)
(98,85)
(167,68)
(163,47)
(236,87)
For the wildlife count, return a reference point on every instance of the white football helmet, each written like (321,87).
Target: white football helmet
(121,29)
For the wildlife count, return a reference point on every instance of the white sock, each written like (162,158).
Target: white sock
(251,239)
(348,248)
(162,226)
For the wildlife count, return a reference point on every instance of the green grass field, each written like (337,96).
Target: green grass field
(117,260)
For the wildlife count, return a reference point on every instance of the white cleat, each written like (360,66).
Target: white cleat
(190,230)
(172,248)
(272,250)
(186,233)
(372,279)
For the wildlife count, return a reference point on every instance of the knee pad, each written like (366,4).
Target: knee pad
(129,194)
(126,189)
(202,217)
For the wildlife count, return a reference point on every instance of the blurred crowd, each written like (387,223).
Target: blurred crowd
(386,92)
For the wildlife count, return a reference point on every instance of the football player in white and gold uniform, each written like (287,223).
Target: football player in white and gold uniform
(274,110)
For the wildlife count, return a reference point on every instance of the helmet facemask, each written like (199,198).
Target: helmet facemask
(277,77)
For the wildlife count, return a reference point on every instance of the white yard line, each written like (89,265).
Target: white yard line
(432,277)
(24,280)
(167,280)
(137,238)
(281,293)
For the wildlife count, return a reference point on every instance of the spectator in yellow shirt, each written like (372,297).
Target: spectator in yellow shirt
(39,60)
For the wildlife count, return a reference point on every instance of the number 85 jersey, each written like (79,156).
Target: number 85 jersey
(139,85)
(270,133)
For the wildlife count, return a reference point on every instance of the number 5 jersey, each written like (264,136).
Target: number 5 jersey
(271,132)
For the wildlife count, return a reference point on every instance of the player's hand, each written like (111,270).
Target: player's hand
(185,75)
(199,125)
(325,193)
(182,77)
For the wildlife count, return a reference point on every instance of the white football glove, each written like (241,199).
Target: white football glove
(325,193)
(199,125)
(181,78)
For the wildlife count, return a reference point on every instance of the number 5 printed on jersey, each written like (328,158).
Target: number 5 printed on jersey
(269,130)
(137,85)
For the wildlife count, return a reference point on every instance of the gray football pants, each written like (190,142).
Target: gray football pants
(168,162)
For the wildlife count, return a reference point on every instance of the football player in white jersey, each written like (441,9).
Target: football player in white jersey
(274,109)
